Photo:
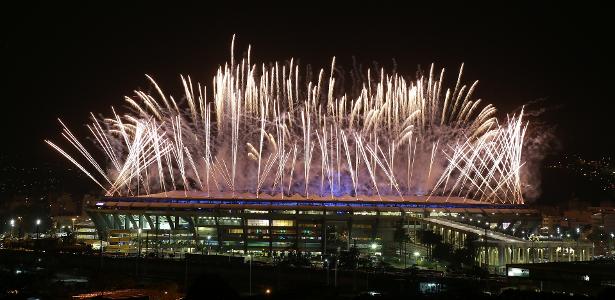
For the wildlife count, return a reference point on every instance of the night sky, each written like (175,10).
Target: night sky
(67,61)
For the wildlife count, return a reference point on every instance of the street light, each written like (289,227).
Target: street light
(139,238)
(250,257)
(38,223)
(19,227)
(208,239)
(327,262)
(73,227)
(374,246)
(337,263)
(12,227)
(138,252)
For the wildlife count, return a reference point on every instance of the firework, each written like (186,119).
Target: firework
(277,130)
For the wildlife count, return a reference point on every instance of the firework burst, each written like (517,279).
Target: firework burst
(276,129)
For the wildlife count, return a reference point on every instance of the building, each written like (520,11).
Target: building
(181,222)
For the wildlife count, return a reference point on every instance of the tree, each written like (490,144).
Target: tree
(443,251)
(63,205)
(456,258)
(429,238)
(349,259)
(466,256)
(596,235)
(400,236)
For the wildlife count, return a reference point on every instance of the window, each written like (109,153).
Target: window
(310,212)
(253,222)
(229,221)
(284,231)
(390,213)
(254,211)
(286,212)
(279,223)
(365,213)
(235,231)
(307,225)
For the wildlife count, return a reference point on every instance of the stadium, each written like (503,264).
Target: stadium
(274,159)
(178,223)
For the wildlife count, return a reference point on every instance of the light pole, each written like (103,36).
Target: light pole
(416,256)
(327,262)
(12,227)
(38,242)
(250,257)
(335,274)
(208,239)
(73,226)
(19,227)
(139,240)
(578,238)
(138,251)
(38,223)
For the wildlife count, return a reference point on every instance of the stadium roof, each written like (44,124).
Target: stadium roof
(344,198)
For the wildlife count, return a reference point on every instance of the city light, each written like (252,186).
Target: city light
(12,222)
(416,254)
(374,246)
(38,221)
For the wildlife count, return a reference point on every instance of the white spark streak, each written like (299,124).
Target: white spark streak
(406,137)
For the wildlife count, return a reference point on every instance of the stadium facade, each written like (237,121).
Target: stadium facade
(180,222)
